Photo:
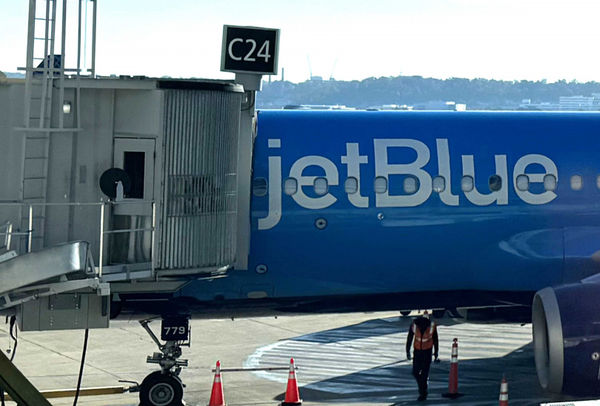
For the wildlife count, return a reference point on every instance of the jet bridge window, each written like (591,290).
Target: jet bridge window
(576,182)
(321,186)
(290,186)
(134,163)
(439,184)
(351,185)
(136,158)
(523,183)
(259,187)
(550,182)
(495,183)
(380,184)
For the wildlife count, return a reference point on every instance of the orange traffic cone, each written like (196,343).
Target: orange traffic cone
(503,392)
(292,396)
(453,377)
(217,397)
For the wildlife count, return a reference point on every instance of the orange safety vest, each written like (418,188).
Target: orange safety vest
(423,341)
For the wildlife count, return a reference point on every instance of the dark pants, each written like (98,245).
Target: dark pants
(421,364)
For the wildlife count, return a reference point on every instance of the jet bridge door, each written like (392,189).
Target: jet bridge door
(136,156)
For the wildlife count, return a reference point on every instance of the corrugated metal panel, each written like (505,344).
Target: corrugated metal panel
(200,196)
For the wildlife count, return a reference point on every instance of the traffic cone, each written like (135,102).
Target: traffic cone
(453,377)
(217,397)
(292,396)
(503,392)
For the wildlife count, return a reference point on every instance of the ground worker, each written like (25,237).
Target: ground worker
(425,337)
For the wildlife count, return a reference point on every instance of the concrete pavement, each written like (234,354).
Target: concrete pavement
(356,359)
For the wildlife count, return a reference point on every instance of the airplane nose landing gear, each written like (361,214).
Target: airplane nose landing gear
(160,389)
(164,387)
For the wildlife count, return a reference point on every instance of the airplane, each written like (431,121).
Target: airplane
(488,216)
(495,212)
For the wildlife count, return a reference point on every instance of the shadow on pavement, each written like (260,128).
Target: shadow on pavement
(479,381)
(366,329)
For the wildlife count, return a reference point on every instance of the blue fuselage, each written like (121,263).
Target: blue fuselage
(361,204)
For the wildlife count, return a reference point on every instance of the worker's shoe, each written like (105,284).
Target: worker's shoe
(422,398)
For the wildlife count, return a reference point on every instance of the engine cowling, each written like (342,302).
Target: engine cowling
(566,338)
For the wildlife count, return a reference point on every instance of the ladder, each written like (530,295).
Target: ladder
(45,108)
(44,75)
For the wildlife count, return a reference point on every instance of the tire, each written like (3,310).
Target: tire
(159,389)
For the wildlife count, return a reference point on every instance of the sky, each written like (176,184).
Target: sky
(341,39)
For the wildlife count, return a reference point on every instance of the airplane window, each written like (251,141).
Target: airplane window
(259,187)
(410,185)
(576,182)
(439,184)
(522,182)
(495,183)
(380,184)
(320,186)
(549,182)
(467,183)
(290,186)
(598,182)
(351,185)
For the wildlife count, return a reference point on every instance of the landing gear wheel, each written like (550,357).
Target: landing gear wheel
(160,389)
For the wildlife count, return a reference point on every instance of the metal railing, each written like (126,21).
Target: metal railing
(8,231)
(129,230)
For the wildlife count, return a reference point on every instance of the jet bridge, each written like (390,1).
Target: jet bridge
(175,218)
(153,174)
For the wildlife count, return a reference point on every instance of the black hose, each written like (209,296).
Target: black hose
(85,341)
(13,335)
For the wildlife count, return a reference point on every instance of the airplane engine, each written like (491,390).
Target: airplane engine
(566,338)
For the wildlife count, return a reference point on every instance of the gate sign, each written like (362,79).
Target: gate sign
(250,50)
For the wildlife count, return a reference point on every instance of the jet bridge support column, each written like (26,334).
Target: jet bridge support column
(18,386)
(249,52)
(251,83)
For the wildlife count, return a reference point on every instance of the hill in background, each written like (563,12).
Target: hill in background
(426,93)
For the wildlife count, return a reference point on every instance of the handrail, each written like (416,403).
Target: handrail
(9,233)
(126,201)
(101,253)
(127,230)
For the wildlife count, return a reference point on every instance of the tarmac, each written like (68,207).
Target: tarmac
(355,359)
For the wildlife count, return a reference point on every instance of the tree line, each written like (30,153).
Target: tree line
(419,92)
